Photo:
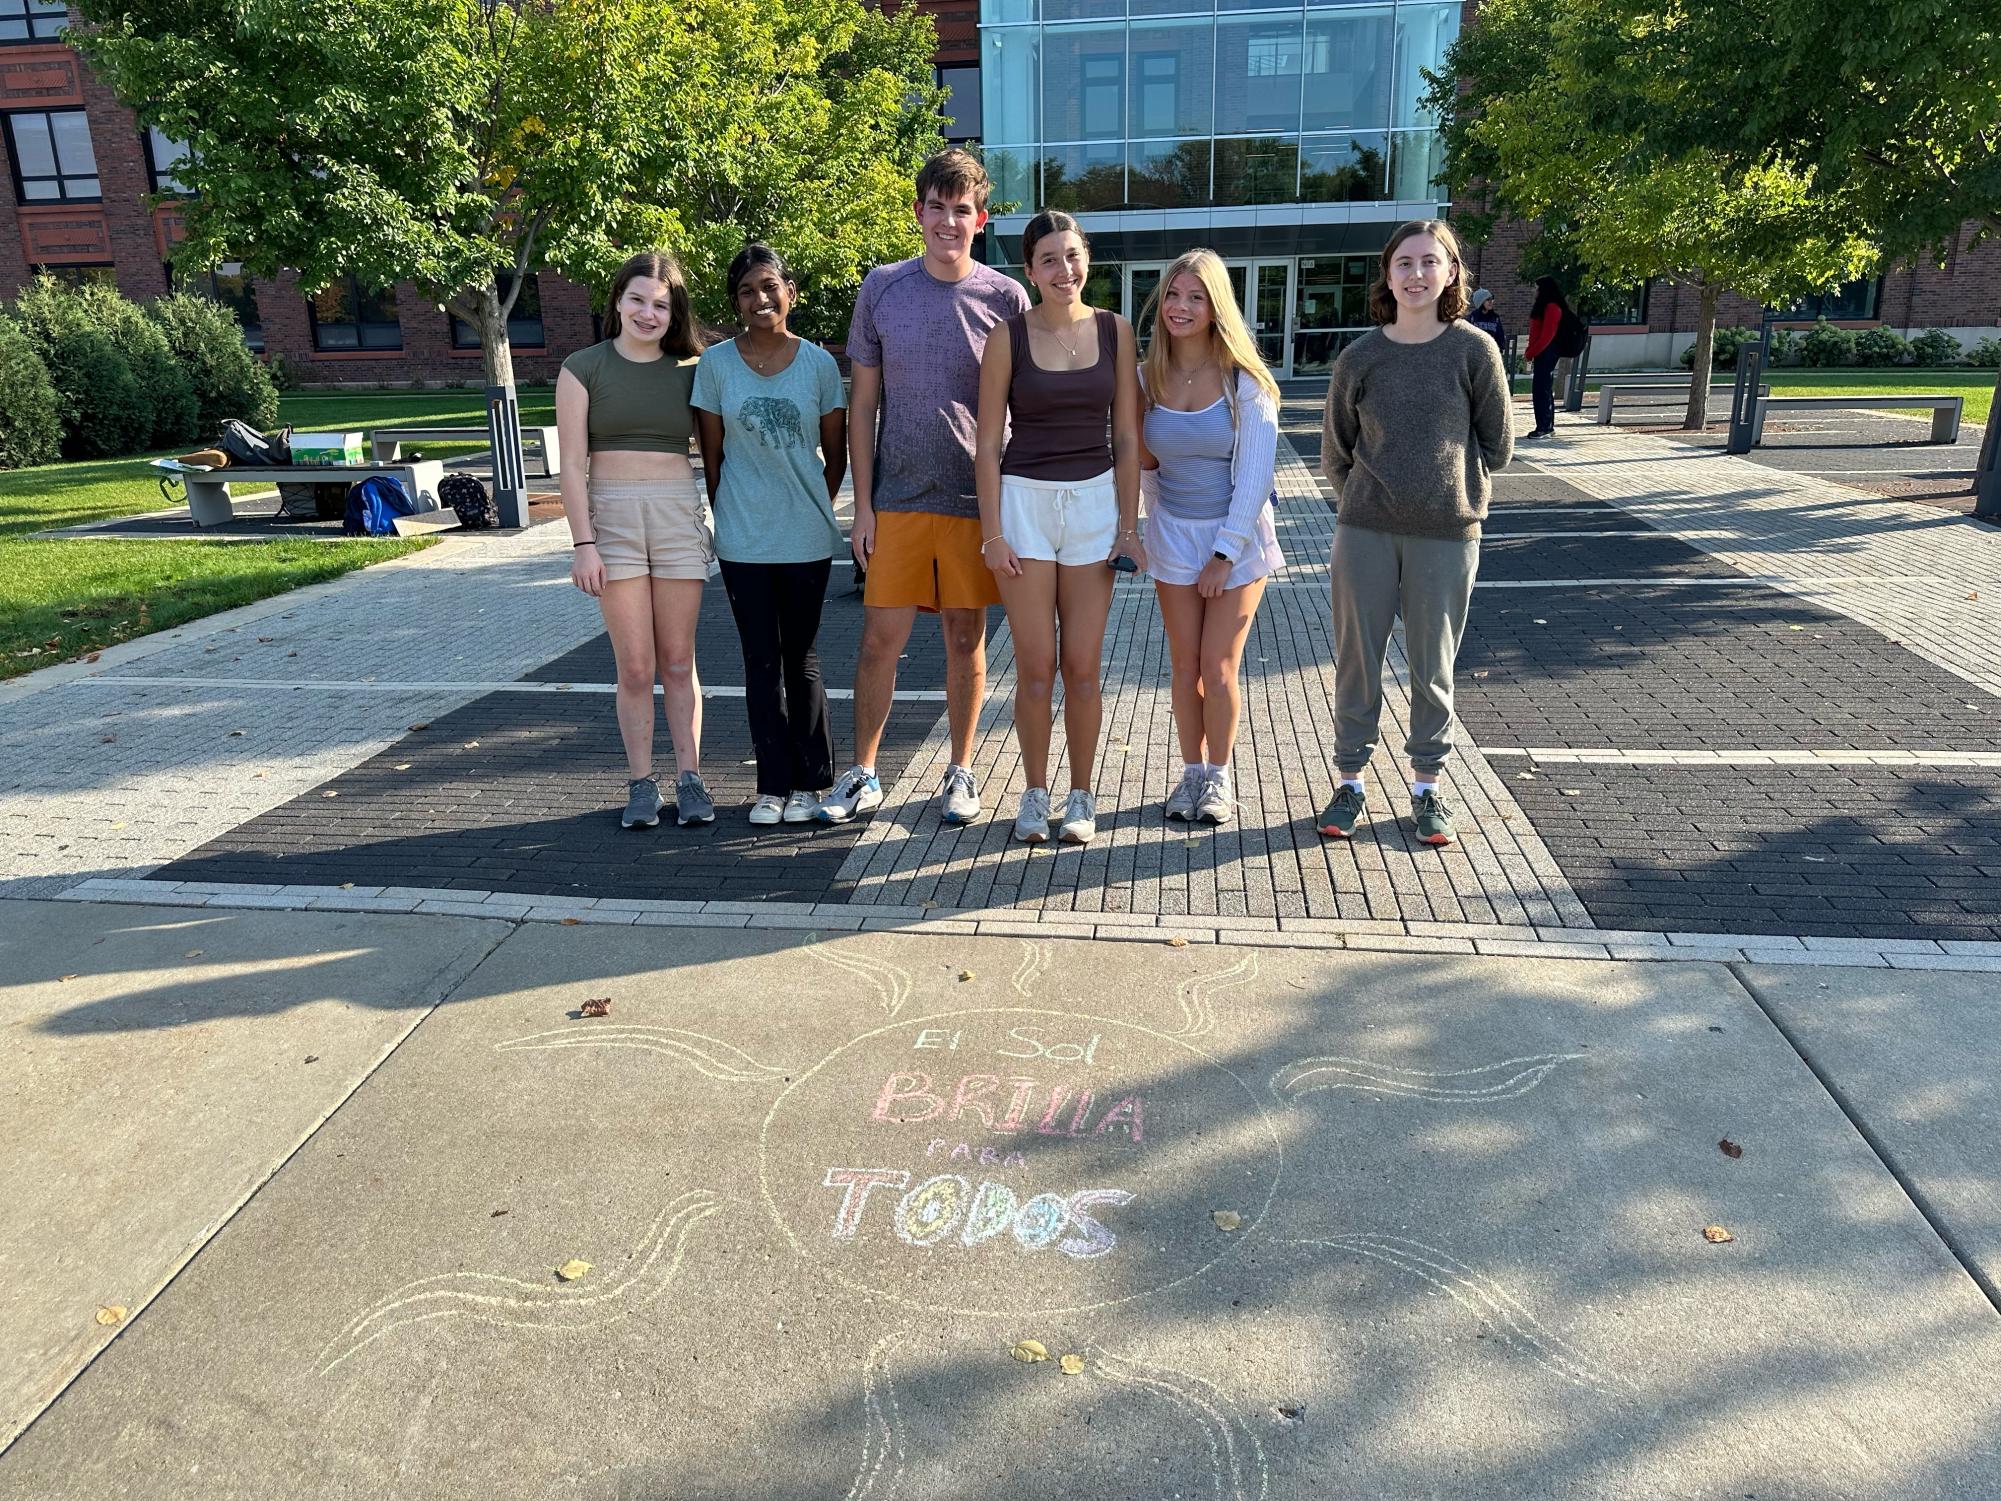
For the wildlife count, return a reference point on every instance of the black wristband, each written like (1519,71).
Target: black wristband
(587,542)
(1222,557)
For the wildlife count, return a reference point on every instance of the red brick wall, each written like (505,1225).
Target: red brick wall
(958,23)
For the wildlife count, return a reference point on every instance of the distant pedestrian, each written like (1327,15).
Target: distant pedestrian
(1547,328)
(1417,416)
(1059,507)
(640,541)
(1486,316)
(1211,440)
(774,449)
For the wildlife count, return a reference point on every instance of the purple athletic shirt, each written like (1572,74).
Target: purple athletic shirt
(927,336)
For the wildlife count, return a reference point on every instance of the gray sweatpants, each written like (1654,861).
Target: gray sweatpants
(1376,577)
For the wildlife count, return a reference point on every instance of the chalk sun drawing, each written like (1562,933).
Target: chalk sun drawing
(1238,1471)
(1195,993)
(882,1427)
(708,1056)
(1037,955)
(890,982)
(1483,1296)
(515,1304)
(1506,1080)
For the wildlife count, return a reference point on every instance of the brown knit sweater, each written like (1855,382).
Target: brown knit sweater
(1412,431)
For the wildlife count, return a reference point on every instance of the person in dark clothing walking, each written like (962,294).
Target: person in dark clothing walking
(1545,318)
(1486,317)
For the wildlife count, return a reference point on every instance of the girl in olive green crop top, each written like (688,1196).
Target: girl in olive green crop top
(641,407)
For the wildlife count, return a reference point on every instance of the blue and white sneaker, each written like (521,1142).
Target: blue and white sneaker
(960,799)
(858,791)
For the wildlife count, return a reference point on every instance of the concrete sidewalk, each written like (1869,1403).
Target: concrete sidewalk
(1369,1225)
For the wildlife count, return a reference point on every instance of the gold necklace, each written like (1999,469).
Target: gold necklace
(1189,379)
(758,365)
(1068,347)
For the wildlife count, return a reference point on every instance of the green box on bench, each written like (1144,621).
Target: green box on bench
(328,448)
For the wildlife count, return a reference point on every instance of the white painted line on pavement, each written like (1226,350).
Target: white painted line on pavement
(709,690)
(1780,756)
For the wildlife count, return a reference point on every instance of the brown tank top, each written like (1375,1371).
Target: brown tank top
(1060,421)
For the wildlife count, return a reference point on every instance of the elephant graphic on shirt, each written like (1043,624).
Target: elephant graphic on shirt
(775,422)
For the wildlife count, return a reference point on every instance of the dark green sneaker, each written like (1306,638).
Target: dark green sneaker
(1337,819)
(1434,819)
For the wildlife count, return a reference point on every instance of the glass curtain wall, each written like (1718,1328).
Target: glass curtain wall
(1107,104)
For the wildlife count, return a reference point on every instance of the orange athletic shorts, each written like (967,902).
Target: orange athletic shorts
(932,562)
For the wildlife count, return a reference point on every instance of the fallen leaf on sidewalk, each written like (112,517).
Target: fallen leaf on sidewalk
(312,1057)
(235,735)
(329,794)
(402,765)
(106,739)
(1191,843)
(1571,791)
(1226,1219)
(1524,776)
(496,1214)
(571,922)
(266,640)
(965,975)
(1071,1365)
(347,885)
(93,656)
(596,1006)
(472,745)
(1729,1148)
(110,1314)
(422,724)
(67,978)
(1716,1235)
(1029,1351)
(571,1270)
(1177,942)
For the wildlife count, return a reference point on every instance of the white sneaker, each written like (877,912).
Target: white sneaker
(1080,817)
(799,807)
(1031,824)
(768,809)
(961,800)
(857,791)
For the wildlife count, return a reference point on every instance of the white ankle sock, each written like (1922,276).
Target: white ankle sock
(1220,769)
(1355,782)
(1419,788)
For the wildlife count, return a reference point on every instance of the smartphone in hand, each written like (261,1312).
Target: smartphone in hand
(1122,564)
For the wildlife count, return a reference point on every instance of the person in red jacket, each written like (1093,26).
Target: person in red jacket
(1545,318)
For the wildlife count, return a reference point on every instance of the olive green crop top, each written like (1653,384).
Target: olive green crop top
(643,407)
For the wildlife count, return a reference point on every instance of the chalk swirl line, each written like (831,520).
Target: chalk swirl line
(1037,955)
(891,983)
(1484,1297)
(709,1056)
(882,1427)
(1194,994)
(511,1303)
(1493,1081)
(1238,1471)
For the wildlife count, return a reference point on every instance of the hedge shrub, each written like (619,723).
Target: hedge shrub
(53,313)
(1878,347)
(207,341)
(1825,346)
(31,424)
(1935,347)
(105,410)
(176,414)
(1985,355)
(1785,346)
(1723,352)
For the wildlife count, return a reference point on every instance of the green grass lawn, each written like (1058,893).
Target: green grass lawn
(64,598)
(1977,386)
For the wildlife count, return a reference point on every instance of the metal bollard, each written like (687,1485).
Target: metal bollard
(1987,472)
(1573,392)
(503,431)
(1744,399)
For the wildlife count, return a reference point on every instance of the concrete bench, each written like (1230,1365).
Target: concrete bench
(1655,389)
(1945,410)
(208,494)
(385,444)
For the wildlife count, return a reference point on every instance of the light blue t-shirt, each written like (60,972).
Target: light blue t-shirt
(771,506)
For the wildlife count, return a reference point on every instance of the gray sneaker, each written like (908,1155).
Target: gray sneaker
(1214,805)
(961,800)
(1031,824)
(643,803)
(1080,817)
(692,803)
(1182,800)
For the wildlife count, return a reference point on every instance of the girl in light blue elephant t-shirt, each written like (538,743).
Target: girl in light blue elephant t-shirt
(774,450)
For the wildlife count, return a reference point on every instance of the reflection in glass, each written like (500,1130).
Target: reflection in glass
(1173,67)
(1011,170)
(1011,70)
(1081,10)
(1264,169)
(1423,34)
(1416,159)
(1105,285)
(1267,319)
(1082,178)
(999,12)
(1257,74)
(1344,169)
(1333,292)
(1314,350)
(1168,174)
(1083,83)
(1145,284)
(961,109)
(1347,66)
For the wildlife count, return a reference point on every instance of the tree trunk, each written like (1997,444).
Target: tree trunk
(493,346)
(1700,373)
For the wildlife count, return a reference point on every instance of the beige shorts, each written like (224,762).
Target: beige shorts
(652,527)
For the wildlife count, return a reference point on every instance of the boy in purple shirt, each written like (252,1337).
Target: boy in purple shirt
(919,330)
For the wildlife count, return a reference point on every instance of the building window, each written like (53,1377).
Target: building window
(1852,300)
(1257,75)
(962,103)
(163,155)
(1612,307)
(1155,91)
(1101,77)
(524,324)
(32,20)
(53,159)
(229,285)
(81,276)
(348,316)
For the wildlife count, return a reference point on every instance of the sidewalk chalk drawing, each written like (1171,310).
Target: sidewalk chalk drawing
(996,1160)
(881,1471)
(1237,1467)
(1509,1079)
(1196,992)
(1036,956)
(514,1304)
(890,982)
(1486,1298)
(708,1056)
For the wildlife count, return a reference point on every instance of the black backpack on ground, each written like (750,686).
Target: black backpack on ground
(467,496)
(320,502)
(1570,335)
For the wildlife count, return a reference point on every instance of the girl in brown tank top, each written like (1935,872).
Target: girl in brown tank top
(1057,466)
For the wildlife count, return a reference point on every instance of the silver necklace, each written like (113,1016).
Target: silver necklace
(743,347)
(1068,348)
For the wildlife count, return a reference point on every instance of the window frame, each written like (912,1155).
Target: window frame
(32,15)
(962,131)
(163,180)
(469,338)
(62,178)
(360,325)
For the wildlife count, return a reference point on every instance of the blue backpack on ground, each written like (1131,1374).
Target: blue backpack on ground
(373,506)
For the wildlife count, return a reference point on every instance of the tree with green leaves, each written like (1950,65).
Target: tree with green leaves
(1525,138)
(461,145)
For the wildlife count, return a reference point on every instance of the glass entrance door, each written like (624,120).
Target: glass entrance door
(1264,295)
